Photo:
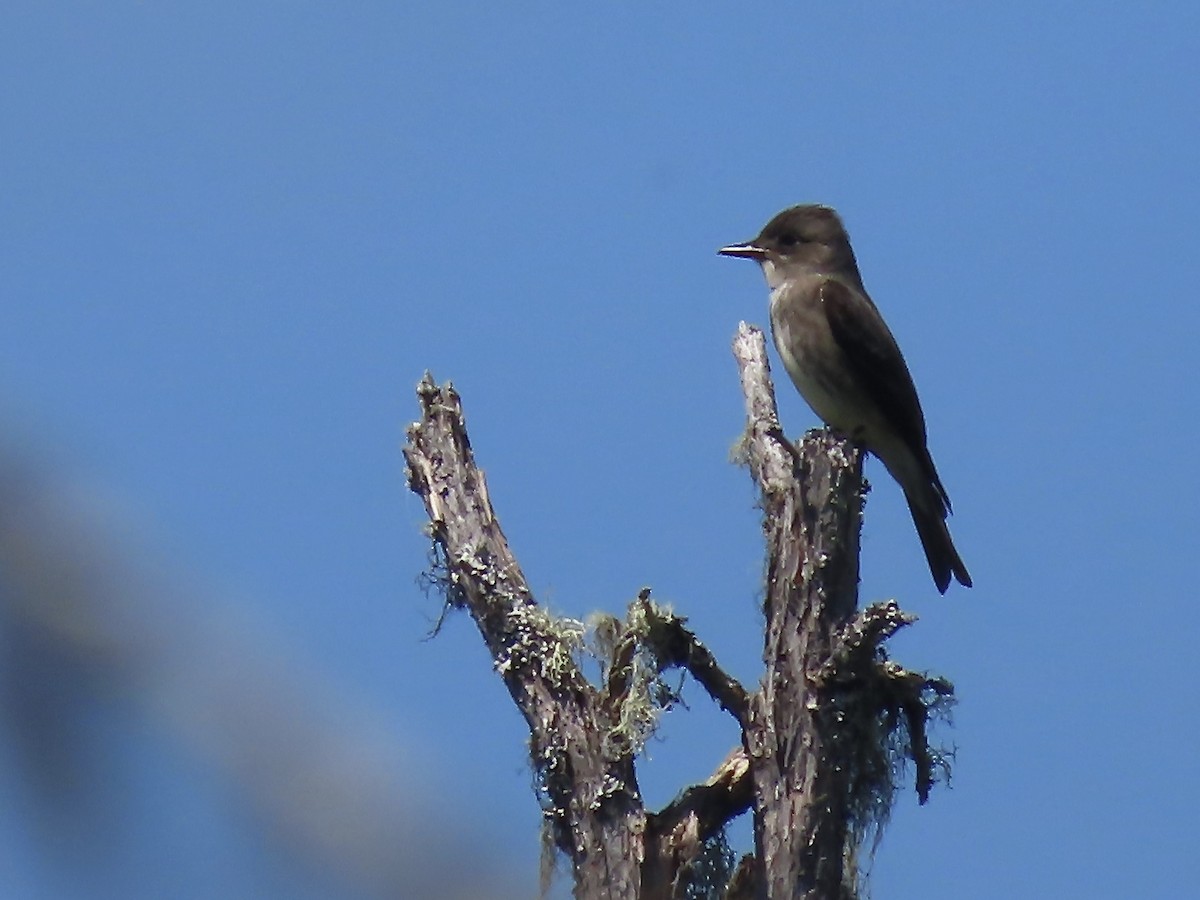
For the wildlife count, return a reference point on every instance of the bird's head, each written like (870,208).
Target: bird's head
(803,239)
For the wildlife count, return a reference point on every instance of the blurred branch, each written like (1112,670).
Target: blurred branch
(90,626)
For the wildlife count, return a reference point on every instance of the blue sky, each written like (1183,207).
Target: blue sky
(236,237)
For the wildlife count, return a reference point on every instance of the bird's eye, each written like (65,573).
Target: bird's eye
(788,240)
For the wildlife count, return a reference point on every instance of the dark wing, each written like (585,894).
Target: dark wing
(877,365)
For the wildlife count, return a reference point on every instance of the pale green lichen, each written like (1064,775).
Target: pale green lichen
(646,694)
(540,640)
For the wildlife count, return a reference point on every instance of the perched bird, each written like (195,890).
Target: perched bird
(846,364)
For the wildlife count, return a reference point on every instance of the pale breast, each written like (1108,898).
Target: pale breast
(815,362)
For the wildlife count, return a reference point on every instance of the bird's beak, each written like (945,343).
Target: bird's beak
(746,251)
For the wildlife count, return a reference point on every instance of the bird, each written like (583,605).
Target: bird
(847,366)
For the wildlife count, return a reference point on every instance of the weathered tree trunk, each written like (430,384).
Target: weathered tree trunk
(812,501)
(801,790)
(815,734)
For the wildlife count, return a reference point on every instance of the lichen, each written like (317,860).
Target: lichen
(538,640)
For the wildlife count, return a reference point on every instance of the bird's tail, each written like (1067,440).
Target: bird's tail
(944,560)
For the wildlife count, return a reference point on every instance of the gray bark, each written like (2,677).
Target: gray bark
(812,502)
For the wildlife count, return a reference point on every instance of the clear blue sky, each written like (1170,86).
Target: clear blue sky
(236,235)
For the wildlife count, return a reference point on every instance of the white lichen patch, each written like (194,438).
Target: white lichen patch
(543,642)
